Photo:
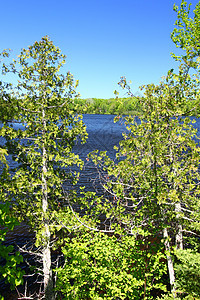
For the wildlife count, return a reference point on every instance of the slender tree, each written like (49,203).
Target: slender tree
(42,144)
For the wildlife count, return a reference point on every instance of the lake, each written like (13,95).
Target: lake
(103,134)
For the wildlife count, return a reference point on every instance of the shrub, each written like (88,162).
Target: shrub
(105,267)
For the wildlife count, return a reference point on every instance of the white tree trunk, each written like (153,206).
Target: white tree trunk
(46,253)
(179,231)
(169,262)
(179,234)
(47,271)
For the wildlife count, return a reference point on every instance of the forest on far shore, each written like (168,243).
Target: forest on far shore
(123,106)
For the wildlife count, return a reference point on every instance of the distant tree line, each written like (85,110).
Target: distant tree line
(125,106)
(113,106)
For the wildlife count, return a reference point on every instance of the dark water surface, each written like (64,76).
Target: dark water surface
(103,135)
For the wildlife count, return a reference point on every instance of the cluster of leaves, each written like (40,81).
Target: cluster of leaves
(8,105)
(9,271)
(188,272)
(100,266)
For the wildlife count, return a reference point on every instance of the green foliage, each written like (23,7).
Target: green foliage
(186,37)
(9,260)
(9,269)
(188,272)
(99,266)
(122,106)
(7,104)
(42,149)
(154,183)
(186,33)
(187,269)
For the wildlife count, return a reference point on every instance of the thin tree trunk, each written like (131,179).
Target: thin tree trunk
(169,262)
(46,253)
(179,231)
(179,234)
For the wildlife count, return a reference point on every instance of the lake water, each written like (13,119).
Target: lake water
(103,134)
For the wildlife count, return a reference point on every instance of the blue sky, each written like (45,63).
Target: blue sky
(103,39)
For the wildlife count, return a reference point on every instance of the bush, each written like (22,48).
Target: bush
(188,272)
(104,267)
(8,268)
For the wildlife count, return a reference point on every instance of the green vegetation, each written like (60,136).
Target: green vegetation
(100,266)
(155,178)
(113,106)
(9,271)
(126,106)
(43,150)
(141,239)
